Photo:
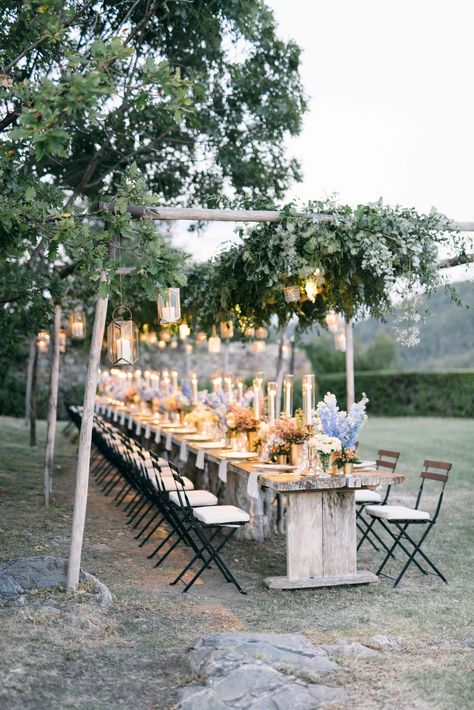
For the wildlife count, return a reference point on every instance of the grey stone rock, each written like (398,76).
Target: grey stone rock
(26,574)
(386,643)
(251,671)
(81,622)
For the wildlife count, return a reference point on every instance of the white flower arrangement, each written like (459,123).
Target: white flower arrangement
(325,444)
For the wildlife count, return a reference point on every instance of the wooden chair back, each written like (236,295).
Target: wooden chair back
(387,459)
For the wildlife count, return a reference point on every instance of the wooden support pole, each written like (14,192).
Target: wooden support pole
(85,439)
(350,386)
(52,406)
(32,354)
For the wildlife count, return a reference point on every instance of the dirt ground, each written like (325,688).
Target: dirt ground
(58,651)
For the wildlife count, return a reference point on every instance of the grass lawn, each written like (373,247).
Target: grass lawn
(122,658)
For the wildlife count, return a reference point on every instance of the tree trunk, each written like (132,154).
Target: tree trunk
(32,407)
(52,407)
(85,438)
(32,354)
(350,386)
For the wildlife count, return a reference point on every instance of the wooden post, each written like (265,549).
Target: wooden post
(52,406)
(85,438)
(29,378)
(350,387)
(32,406)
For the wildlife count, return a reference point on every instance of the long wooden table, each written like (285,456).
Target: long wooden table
(321,533)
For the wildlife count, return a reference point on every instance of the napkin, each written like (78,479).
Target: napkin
(122,418)
(147,431)
(115,415)
(157,436)
(109,411)
(253,489)
(200,459)
(223,470)
(169,444)
(138,428)
(130,421)
(183,451)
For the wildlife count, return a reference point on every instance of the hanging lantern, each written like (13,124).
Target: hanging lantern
(291,294)
(332,321)
(165,335)
(169,306)
(77,325)
(42,341)
(258,346)
(249,332)
(184,330)
(62,340)
(162,344)
(201,337)
(226,329)
(314,285)
(122,339)
(188,348)
(214,342)
(261,333)
(174,344)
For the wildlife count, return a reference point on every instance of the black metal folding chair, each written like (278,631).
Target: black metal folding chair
(403,518)
(206,523)
(386,460)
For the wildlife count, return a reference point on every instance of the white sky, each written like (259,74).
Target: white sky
(391,104)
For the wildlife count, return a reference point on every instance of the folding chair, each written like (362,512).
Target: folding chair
(402,518)
(206,523)
(386,460)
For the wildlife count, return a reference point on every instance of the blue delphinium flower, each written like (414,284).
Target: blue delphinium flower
(335,422)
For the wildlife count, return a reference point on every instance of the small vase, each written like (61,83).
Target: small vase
(240,442)
(282,459)
(296,452)
(251,439)
(348,469)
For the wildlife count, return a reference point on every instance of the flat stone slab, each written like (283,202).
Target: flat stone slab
(26,574)
(258,672)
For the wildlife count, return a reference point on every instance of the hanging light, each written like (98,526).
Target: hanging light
(165,336)
(169,306)
(174,344)
(291,294)
(340,341)
(201,337)
(184,330)
(332,321)
(62,340)
(249,332)
(226,329)
(261,333)
(122,339)
(77,325)
(42,341)
(314,285)
(162,344)
(214,342)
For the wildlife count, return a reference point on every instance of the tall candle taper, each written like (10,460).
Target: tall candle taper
(240,389)
(174,380)
(272,394)
(308,385)
(194,383)
(257,393)
(288,383)
(228,386)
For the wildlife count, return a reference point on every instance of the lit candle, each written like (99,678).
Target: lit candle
(308,387)
(257,392)
(77,329)
(217,383)
(168,314)
(228,387)
(194,383)
(288,394)
(272,393)
(124,350)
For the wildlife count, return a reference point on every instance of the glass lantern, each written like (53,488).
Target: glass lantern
(184,330)
(249,332)
(309,397)
(314,285)
(332,321)
(173,344)
(340,341)
(161,344)
(165,336)
(272,389)
(261,333)
(288,387)
(77,325)
(62,340)
(214,342)
(201,337)
(122,339)
(226,329)
(169,306)
(42,341)
(291,294)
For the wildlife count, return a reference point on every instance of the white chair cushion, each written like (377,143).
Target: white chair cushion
(363,495)
(196,498)
(221,515)
(396,512)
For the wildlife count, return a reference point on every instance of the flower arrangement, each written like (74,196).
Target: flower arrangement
(175,403)
(131,396)
(201,415)
(338,423)
(218,403)
(325,446)
(240,418)
(346,456)
(286,431)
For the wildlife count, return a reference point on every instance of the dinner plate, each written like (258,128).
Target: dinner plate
(198,437)
(180,430)
(212,445)
(238,455)
(276,466)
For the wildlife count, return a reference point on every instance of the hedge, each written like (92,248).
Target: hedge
(12,398)
(433,394)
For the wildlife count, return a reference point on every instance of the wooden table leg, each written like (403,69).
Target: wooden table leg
(321,541)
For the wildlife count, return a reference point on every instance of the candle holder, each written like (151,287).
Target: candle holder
(332,321)
(340,341)
(214,342)
(77,325)
(201,337)
(169,306)
(226,329)
(288,387)
(122,339)
(239,381)
(42,341)
(272,389)
(249,332)
(261,333)
(309,397)
(184,330)
(194,388)
(291,294)
(62,340)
